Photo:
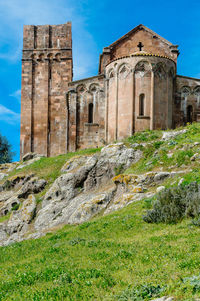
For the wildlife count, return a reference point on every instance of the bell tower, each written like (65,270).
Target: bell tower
(47,68)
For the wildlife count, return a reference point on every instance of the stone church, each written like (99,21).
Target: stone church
(137,88)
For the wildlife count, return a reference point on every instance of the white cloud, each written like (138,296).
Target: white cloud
(8,115)
(16,94)
(15,13)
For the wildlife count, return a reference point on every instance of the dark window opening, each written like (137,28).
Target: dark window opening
(141,104)
(189,113)
(90,113)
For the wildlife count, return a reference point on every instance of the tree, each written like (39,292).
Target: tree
(5,150)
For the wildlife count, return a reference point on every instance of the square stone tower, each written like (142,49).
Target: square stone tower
(47,68)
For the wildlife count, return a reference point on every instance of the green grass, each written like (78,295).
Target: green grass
(109,258)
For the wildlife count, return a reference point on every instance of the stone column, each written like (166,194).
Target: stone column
(133,105)
(72,146)
(152,101)
(116,112)
(106,108)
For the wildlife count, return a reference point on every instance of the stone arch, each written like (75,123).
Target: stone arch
(160,70)
(123,70)
(185,91)
(58,56)
(50,56)
(197,91)
(80,89)
(41,57)
(33,56)
(111,73)
(197,94)
(93,88)
(143,68)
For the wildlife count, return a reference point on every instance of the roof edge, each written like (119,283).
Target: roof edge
(140,26)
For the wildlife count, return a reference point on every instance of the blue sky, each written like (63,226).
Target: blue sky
(95,24)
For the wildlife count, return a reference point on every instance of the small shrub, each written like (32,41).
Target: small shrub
(140,293)
(193,282)
(173,204)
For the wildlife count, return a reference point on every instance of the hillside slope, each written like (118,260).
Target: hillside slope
(114,255)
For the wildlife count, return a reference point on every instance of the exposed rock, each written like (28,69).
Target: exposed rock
(5,195)
(112,158)
(7,167)
(73,198)
(9,205)
(72,211)
(195,157)
(3,234)
(161,176)
(75,162)
(16,182)
(2,176)
(34,185)
(28,161)
(160,188)
(172,134)
(180,182)
(30,156)
(21,218)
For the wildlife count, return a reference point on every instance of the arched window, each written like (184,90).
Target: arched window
(141,104)
(90,113)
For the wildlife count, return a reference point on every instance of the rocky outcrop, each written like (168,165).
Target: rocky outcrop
(88,185)
(17,225)
(172,134)
(77,195)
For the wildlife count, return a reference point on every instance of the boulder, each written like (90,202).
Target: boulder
(160,188)
(161,176)
(30,156)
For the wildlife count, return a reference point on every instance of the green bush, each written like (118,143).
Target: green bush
(173,204)
(140,293)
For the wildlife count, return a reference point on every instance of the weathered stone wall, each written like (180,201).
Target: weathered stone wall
(187,96)
(84,133)
(46,71)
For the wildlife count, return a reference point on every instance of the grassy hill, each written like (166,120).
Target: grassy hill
(118,256)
